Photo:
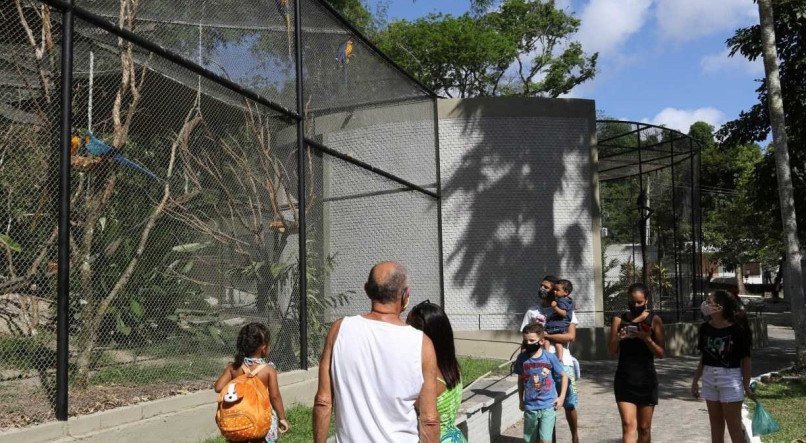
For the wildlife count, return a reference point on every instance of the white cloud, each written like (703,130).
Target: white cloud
(607,24)
(723,62)
(688,19)
(682,119)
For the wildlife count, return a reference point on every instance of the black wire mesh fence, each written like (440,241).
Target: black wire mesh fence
(204,191)
(651,221)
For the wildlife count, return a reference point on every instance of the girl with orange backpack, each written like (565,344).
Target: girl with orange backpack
(250,407)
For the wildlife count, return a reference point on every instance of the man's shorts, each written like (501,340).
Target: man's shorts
(722,384)
(539,425)
(571,398)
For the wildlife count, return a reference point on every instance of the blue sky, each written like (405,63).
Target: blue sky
(660,61)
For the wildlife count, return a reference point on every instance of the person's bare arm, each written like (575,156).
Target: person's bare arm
(520,394)
(695,382)
(563,390)
(276,399)
(323,402)
(615,336)
(557,309)
(427,402)
(223,379)
(660,336)
(565,337)
(658,345)
(746,370)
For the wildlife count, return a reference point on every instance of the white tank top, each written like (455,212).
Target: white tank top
(377,376)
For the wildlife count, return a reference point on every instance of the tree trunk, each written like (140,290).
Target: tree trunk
(793,283)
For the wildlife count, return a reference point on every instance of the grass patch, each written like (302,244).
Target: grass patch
(300,418)
(786,401)
(37,352)
(128,374)
(473,368)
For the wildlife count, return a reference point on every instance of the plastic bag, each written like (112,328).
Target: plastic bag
(763,423)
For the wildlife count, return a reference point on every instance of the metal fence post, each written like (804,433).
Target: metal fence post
(439,204)
(301,204)
(641,219)
(700,237)
(693,236)
(63,271)
(674,239)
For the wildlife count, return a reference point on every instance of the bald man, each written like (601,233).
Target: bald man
(375,368)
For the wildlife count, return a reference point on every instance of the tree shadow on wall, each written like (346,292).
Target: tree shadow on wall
(510,177)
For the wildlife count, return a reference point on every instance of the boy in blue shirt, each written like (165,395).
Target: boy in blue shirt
(537,371)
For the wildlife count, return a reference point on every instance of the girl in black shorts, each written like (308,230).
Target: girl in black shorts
(637,337)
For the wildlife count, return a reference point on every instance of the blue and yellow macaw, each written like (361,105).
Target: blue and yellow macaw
(97,148)
(284,8)
(343,57)
(345,52)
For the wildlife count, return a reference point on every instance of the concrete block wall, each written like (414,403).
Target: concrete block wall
(519,193)
(367,218)
(519,188)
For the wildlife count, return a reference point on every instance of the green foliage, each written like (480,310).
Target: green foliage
(357,13)
(26,353)
(734,224)
(129,374)
(469,55)
(10,243)
(753,125)
(786,401)
(472,368)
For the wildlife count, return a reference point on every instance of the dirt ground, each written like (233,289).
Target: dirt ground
(25,402)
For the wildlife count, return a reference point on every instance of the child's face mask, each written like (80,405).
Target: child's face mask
(531,348)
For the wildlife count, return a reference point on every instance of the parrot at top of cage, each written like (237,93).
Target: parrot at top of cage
(345,52)
(284,8)
(98,148)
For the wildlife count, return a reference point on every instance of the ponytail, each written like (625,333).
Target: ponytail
(250,339)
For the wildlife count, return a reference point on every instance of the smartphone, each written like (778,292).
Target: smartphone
(632,329)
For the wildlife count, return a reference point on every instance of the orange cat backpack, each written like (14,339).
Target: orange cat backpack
(244,410)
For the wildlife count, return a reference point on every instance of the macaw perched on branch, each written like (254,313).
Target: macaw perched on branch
(97,148)
(284,8)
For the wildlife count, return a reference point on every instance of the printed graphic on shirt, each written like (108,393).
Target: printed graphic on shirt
(718,347)
(537,381)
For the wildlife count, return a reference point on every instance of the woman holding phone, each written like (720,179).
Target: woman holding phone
(636,336)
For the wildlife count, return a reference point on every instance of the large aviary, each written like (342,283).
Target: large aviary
(97,148)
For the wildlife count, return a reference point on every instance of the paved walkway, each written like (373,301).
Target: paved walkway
(678,417)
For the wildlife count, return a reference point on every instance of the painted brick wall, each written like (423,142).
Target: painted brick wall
(517,194)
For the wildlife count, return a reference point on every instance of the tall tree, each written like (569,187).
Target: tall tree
(523,48)
(793,289)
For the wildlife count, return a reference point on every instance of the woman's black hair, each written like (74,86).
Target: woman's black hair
(724,299)
(250,338)
(638,287)
(433,321)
